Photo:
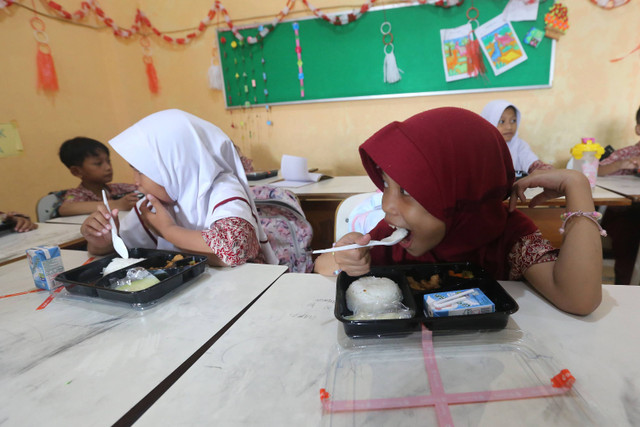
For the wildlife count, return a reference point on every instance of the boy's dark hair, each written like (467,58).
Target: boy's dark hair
(74,151)
(638,116)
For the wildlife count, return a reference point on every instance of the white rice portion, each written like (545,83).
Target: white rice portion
(118,263)
(371,296)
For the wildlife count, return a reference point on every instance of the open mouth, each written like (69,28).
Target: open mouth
(406,242)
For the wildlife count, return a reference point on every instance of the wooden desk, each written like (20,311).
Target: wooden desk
(269,367)
(627,185)
(320,201)
(14,245)
(547,217)
(80,363)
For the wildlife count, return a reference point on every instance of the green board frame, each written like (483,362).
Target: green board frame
(346,62)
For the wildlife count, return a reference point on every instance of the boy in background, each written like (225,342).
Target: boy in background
(623,222)
(89,160)
(625,161)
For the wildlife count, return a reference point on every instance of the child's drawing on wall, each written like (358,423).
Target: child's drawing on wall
(500,44)
(454,52)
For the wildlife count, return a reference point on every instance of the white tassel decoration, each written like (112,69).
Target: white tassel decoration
(215,77)
(391,70)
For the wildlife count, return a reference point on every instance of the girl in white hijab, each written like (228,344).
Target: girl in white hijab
(197,198)
(506,117)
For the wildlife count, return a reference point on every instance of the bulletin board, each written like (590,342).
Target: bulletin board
(346,62)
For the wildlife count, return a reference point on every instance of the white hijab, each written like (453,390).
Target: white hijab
(521,153)
(199,168)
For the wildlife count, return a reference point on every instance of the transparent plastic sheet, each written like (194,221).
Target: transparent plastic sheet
(484,377)
(133,275)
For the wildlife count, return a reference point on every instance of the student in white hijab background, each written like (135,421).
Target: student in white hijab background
(197,198)
(506,117)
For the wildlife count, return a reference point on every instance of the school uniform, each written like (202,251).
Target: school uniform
(201,171)
(524,159)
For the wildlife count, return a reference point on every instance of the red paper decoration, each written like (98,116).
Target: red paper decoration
(47,77)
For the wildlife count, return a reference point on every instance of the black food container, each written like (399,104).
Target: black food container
(87,280)
(413,281)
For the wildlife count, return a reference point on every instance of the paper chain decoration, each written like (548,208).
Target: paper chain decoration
(141,19)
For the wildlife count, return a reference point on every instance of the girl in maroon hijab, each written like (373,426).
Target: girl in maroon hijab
(445,174)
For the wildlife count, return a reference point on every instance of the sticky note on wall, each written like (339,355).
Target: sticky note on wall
(10,142)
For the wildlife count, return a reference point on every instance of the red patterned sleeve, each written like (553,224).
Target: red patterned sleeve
(529,250)
(79,194)
(233,240)
(623,154)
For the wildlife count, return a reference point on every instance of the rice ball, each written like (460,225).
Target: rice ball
(372,295)
(118,263)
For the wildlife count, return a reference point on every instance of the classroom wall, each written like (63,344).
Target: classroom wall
(103,90)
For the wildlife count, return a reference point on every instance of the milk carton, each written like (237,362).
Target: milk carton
(45,263)
(457,303)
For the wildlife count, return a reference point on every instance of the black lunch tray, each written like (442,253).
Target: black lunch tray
(504,304)
(7,227)
(87,280)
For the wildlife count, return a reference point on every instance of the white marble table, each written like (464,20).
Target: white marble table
(270,365)
(628,185)
(78,219)
(601,197)
(77,363)
(14,245)
(336,187)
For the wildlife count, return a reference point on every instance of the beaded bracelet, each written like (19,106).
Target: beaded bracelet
(593,216)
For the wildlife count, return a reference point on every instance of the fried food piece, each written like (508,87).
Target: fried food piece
(424,284)
(174,260)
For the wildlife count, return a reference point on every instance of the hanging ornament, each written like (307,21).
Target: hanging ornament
(47,77)
(557,21)
(610,4)
(475,61)
(152,76)
(216,81)
(269,122)
(296,30)
(390,69)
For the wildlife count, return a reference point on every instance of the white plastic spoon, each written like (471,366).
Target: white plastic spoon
(118,243)
(394,238)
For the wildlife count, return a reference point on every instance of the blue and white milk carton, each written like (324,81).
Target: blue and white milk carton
(45,263)
(457,303)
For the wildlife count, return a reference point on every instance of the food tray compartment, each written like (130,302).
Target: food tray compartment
(448,278)
(87,280)
(363,328)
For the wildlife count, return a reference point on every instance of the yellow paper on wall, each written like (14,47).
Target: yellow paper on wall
(10,143)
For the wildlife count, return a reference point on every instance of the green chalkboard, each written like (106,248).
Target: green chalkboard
(346,62)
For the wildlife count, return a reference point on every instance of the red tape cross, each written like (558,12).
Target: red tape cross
(53,294)
(21,293)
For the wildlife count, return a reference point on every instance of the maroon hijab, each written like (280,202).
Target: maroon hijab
(457,165)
